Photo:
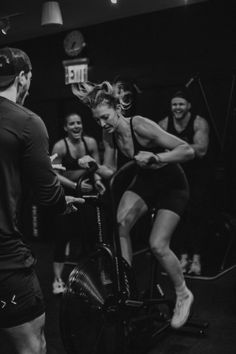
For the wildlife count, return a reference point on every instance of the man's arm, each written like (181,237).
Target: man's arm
(201,137)
(37,167)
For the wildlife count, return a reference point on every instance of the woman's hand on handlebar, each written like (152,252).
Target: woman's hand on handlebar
(88,162)
(99,186)
(83,187)
(146,159)
(86,187)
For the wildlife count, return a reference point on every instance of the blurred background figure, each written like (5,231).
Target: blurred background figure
(193,129)
(129,88)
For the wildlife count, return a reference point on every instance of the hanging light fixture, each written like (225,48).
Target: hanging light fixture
(51,14)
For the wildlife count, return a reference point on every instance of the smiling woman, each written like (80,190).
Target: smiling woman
(67,151)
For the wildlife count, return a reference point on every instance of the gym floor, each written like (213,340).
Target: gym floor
(215,302)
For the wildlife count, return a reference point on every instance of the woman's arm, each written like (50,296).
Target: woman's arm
(163,123)
(200,137)
(108,166)
(94,153)
(150,134)
(59,149)
(93,148)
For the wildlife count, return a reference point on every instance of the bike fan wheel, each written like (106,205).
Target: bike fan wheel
(90,321)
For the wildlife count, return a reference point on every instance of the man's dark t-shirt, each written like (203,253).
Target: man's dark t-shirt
(24,161)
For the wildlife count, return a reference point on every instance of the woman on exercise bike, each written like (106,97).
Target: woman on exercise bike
(159,181)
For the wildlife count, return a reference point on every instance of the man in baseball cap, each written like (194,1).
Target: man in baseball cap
(24,166)
(15,67)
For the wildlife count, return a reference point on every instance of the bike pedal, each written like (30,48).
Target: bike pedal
(134,303)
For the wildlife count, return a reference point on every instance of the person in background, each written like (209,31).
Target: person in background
(127,85)
(24,165)
(194,130)
(159,181)
(67,151)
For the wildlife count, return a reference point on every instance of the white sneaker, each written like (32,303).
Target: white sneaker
(184,261)
(58,287)
(195,267)
(182,311)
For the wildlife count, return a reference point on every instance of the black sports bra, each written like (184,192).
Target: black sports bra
(69,162)
(122,158)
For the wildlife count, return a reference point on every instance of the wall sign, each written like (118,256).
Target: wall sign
(76,70)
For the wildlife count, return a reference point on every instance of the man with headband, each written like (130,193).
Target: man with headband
(24,165)
(194,130)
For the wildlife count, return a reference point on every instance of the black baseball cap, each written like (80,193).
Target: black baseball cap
(12,62)
(182,93)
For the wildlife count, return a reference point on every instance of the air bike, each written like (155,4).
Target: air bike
(102,312)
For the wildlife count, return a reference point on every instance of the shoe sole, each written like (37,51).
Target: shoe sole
(187,316)
(58,291)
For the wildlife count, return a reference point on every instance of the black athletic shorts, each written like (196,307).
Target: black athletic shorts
(164,188)
(21,298)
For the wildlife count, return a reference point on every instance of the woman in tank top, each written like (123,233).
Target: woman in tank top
(68,150)
(159,180)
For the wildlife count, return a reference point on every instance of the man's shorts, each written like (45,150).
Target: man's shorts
(21,298)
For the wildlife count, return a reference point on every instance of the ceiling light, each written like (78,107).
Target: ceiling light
(51,14)
(114,1)
(4,25)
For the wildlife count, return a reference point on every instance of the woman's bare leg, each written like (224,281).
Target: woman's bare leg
(163,228)
(130,209)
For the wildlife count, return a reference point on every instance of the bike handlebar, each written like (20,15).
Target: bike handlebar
(88,173)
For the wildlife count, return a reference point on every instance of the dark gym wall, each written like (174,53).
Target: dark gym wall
(162,50)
